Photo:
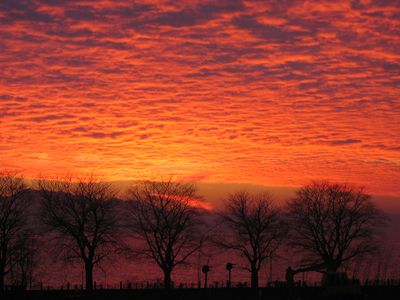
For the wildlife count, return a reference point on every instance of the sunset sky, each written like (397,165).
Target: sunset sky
(273,93)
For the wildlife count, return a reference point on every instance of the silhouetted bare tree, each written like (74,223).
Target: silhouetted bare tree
(256,229)
(25,260)
(83,216)
(332,224)
(163,216)
(13,215)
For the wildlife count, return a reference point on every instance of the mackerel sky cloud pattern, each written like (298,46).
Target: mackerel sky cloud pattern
(263,92)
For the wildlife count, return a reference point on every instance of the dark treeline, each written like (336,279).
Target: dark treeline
(87,221)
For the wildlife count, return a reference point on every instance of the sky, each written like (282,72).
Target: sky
(272,93)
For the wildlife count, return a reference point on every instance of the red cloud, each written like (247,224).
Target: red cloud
(272,93)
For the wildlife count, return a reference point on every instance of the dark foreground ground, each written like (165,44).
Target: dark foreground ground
(300,293)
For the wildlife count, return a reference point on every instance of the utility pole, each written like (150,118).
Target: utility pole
(229,267)
(198,272)
(270,270)
(205,269)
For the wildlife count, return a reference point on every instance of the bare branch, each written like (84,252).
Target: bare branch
(332,224)
(255,229)
(163,216)
(13,215)
(82,213)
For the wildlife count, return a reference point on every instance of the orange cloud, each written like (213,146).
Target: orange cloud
(240,91)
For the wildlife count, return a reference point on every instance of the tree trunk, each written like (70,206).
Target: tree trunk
(254,278)
(89,275)
(332,267)
(2,276)
(2,268)
(1,280)
(167,279)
